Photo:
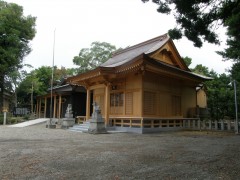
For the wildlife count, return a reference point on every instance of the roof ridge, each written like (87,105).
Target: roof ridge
(164,36)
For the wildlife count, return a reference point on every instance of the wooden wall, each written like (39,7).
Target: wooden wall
(166,54)
(188,99)
(125,96)
(133,95)
(165,97)
(147,95)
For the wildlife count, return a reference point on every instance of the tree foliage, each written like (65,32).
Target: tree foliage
(199,19)
(220,97)
(232,22)
(12,81)
(200,69)
(220,93)
(235,72)
(16,31)
(90,58)
(30,84)
(187,60)
(38,82)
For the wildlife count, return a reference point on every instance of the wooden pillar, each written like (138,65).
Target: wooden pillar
(141,97)
(88,105)
(45,107)
(54,106)
(59,106)
(141,122)
(37,115)
(39,110)
(107,104)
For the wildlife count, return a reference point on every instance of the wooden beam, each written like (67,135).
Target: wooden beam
(88,104)
(107,103)
(45,107)
(59,106)
(141,95)
(37,114)
(54,106)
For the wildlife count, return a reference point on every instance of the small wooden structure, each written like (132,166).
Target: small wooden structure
(61,97)
(141,85)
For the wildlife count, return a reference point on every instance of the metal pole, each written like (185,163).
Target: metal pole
(236,107)
(50,122)
(32,99)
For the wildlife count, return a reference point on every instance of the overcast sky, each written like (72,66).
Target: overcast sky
(122,23)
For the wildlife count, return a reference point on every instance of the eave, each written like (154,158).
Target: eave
(168,70)
(106,74)
(85,78)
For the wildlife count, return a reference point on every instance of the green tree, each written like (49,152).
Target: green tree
(199,19)
(187,60)
(232,22)
(200,69)
(29,85)
(90,58)
(38,82)
(44,75)
(235,75)
(235,71)
(13,80)
(220,97)
(16,30)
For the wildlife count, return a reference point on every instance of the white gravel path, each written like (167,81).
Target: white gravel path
(30,122)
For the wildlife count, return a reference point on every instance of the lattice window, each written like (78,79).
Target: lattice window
(116,99)
(149,103)
(116,103)
(129,103)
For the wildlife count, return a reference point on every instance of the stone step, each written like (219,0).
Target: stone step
(80,127)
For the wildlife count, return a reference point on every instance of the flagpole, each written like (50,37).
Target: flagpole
(51,115)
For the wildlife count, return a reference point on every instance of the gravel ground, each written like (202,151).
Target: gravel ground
(39,153)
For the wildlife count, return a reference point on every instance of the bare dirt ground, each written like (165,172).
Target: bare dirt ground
(39,153)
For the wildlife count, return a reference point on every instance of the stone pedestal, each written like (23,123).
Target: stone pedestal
(68,121)
(51,124)
(97,125)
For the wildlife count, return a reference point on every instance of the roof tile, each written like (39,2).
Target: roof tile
(126,55)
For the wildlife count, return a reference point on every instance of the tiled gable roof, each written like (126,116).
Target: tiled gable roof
(126,55)
(132,58)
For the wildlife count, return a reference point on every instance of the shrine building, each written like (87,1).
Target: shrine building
(145,87)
